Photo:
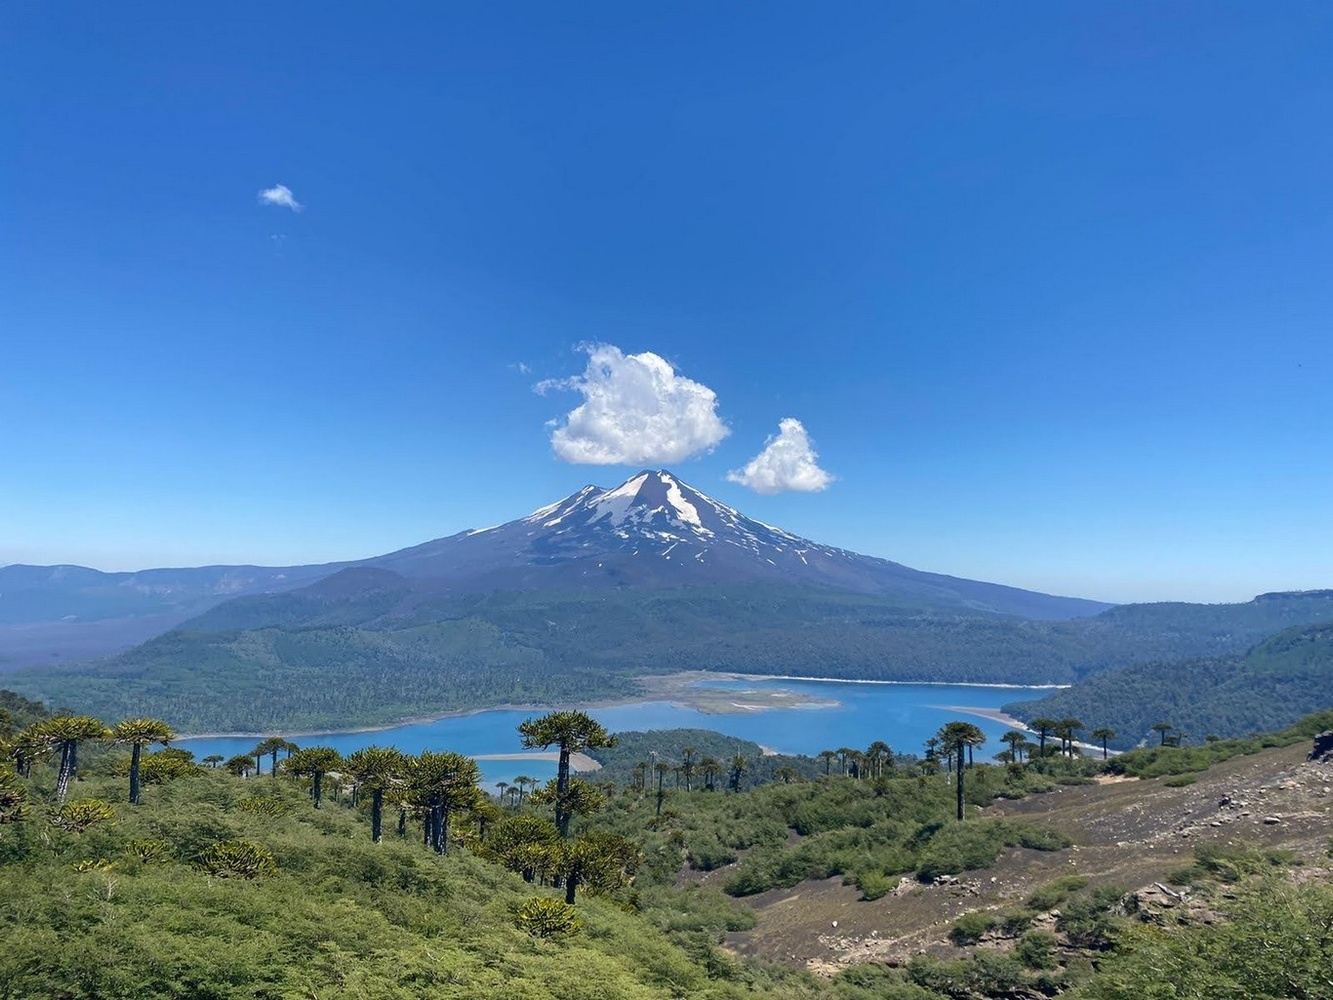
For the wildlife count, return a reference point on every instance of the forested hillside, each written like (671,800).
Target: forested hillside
(1275,683)
(352,651)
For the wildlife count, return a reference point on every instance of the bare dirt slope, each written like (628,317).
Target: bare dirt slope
(1127,833)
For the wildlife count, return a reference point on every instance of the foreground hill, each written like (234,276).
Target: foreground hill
(1059,880)
(1273,684)
(651,531)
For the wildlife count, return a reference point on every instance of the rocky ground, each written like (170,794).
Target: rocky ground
(1128,833)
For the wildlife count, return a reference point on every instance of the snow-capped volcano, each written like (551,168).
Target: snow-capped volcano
(654,530)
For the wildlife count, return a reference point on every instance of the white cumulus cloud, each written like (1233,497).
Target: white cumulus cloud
(636,411)
(788,462)
(280,195)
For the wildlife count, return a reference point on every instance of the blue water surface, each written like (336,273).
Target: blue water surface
(902,715)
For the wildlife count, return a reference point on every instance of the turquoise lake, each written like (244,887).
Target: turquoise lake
(902,715)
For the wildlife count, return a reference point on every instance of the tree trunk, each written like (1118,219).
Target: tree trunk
(436,838)
(571,884)
(275,764)
(376,814)
(562,793)
(317,788)
(958,790)
(66,771)
(402,821)
(134,773)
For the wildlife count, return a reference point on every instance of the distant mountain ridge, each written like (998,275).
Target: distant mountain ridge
(651,531)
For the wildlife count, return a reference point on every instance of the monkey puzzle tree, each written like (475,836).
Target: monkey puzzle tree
(1015,739)
(1044,727)
(958,737)
(136,734)
(314,763)
(710,768)
(879,755)
(376,769)
(603,862)
(740,766)
(662,769)
(687,763)
(213,760)
(1103,736)
(828,757)
(1068,730)
(65,733)
(442,783)
(13,798)
(1162,729)
(239,765)
(522,844)
(572,732)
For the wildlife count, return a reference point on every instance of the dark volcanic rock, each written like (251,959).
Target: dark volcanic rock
(1323,746)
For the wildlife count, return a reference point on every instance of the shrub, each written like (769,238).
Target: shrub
(1049,896)
(545,917)
(874,884)
(971,927)
(264,805)
(1180,780)
(82,814)
(1015,922)
(238,859)
(1087,921)
(985,973)
(1036,950)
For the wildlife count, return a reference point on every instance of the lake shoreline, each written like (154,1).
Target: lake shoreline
(671,687)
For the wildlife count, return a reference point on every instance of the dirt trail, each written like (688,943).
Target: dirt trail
(1126,833)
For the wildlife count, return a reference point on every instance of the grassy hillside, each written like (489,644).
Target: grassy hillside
(328,657)
(218,886)
(1275,683)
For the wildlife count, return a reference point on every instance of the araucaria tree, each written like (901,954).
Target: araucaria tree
(65,733)
(136,734)
(314,763)
(602,862)
(440,784)
(1103,736)
(572,732)
(1044,727)
(375,769)
(957,737)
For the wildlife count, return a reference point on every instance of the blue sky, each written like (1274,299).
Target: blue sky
(1048,286)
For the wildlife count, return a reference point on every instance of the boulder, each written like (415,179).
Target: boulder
(1323,746)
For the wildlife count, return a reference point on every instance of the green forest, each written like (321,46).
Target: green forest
(1280,679)
(130,870)
(325,659)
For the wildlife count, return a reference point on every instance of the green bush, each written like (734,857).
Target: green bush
(238,859)
(1051,895)
(971,927)
(545,917)
(1180,780)
(874,884)
(1036,950)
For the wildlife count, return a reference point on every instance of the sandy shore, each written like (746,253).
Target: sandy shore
(995,715)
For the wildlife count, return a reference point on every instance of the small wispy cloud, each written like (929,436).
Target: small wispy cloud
(788,462)
(280,195)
